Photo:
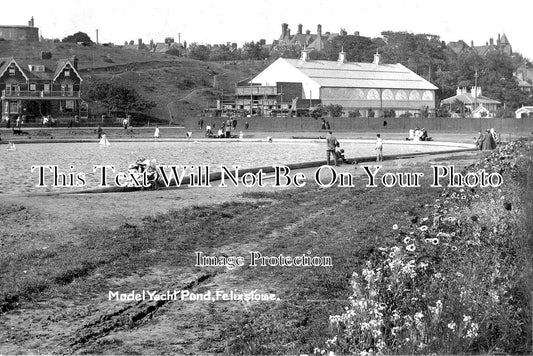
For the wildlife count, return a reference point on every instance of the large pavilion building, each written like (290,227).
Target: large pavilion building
(365,87)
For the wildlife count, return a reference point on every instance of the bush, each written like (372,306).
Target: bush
(354,113)
(334,110)
(389,113)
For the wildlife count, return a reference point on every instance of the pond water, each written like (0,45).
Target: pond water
(18,178)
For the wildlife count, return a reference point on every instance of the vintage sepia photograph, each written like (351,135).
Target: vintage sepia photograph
(266,178)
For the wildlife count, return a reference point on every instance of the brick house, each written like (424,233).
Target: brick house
(36,88)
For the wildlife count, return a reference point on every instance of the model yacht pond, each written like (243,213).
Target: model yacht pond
(82,157)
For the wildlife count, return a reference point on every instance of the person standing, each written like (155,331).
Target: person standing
(331,143)
(99,130)
(488,141)
(156,133)
(479,141)
(379,148)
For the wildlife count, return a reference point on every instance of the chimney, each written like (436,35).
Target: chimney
(377,57)
(319,30)
(307,32)
(472,44)
(140,42)
(305,55)
(356,33)
(74,61)
(475,92)
(289,33)
(491,41)
(342,56)
(499,40)
(31,23)
(300,29)
(459,91)
(284,28)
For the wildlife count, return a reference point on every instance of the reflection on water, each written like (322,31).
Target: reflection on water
(16,165)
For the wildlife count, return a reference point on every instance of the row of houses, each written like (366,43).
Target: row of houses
(41,87)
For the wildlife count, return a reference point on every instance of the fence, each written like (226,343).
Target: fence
(306,124)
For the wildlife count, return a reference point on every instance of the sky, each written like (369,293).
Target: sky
(221,21)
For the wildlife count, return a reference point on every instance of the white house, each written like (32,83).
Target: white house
(524,111)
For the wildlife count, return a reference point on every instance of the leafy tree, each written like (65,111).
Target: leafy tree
(224,52)
(318,112)
(357,48)
(422,53)
(334,110)
(354,113)
(199,51)
(253,50)
(116,97)
(285,51)
(77,37)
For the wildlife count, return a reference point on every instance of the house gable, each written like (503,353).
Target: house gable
(6,73)
(281,68)
(66,67)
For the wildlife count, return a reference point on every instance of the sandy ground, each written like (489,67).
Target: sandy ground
(93,324)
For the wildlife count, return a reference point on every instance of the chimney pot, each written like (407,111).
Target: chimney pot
(305,55)
(300,29)
(342,57)
(377,58)
(319,29)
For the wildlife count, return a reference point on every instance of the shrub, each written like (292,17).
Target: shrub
(354,113)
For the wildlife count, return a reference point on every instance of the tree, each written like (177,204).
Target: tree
(318,112)
(334,110)
(253,50)
(116,97)
(78,37)
(354,113)
(357,48)
(200,52)
(285,51)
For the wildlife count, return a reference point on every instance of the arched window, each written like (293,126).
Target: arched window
(428,95)
(414,95)
(401,95)
(359,94)
(387,95)
(372,94)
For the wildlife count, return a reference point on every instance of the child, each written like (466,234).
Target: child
(379,148)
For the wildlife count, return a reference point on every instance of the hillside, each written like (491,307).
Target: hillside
(177,85)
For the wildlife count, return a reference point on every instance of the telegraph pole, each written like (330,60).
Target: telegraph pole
(475,86)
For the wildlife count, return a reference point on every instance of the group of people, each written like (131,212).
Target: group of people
(418,134)
(224,131)
(488,140)
(335,152)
